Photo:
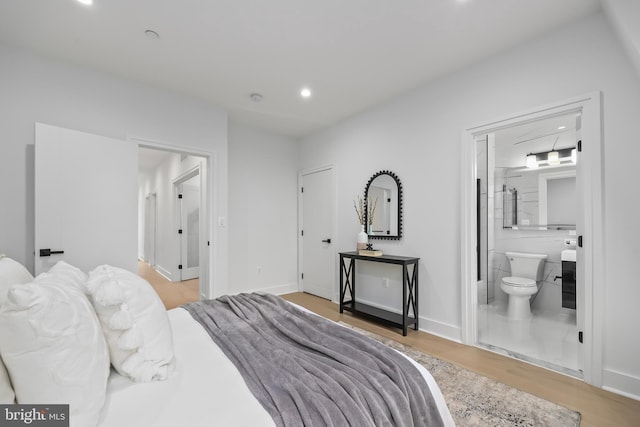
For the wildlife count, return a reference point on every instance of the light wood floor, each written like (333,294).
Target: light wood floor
(172,294)
(599,408)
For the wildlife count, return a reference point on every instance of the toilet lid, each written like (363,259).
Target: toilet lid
(519,281)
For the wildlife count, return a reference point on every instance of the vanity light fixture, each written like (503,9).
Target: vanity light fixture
(551,158)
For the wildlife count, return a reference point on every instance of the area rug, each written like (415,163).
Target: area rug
(475,400)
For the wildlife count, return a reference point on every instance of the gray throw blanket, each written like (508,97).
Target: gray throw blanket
(306,370)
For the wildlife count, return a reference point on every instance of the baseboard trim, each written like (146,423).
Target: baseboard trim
(430,326)
(620,383)
(163,272)
(442,330)
(278,289)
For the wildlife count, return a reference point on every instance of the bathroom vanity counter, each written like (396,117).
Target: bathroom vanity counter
(568,257)
(409,314)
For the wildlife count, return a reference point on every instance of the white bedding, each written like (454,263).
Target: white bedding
(204,387)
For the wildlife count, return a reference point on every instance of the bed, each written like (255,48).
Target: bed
(192,381)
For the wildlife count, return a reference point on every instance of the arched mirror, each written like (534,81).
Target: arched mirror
(383,199)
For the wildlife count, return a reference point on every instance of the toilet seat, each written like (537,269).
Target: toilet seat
(520,282)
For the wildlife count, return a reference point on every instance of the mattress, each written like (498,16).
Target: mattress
(205,388)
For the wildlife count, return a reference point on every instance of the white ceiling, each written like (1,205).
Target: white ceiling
(149,159)
(353,54)
(514,143)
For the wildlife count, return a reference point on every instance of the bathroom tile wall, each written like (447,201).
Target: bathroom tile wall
(549,242)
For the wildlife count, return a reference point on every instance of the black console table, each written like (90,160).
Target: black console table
(409,290)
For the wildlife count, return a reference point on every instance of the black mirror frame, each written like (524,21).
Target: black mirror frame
(366,209)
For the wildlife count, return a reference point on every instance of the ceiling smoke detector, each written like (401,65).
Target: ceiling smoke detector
(255,97)
(152,34)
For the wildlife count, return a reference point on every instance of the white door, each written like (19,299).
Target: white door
(85,199)
(189,227)
(316,234)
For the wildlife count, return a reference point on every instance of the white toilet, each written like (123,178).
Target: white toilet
(526,270)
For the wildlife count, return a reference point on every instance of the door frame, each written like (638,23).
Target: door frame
(209,209)
(334,221)
(177,213)
(150,228)
(591,186)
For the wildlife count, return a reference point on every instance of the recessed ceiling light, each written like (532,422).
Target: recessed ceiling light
(152,34)
(561,127)
(87,2)
(305,92)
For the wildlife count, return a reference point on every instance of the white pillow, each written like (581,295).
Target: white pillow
(67,274)
(11,273)
(53,347)
(134,321)
(7,395)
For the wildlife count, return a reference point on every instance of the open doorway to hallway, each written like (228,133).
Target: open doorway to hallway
(172,200)
(171,294)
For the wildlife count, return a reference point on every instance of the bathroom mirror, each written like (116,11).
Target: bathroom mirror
(383,200)
(540,199)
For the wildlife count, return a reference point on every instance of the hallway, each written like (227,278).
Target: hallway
(172,294)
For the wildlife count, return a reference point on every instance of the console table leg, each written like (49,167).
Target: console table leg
(415,294)
(405,299)
(341,283)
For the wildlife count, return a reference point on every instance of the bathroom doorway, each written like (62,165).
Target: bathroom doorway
(515,228)
(528,205)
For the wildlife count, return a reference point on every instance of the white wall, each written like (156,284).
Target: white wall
(418,135)
(158,181)
(36,89)
(625,15)
(262,211)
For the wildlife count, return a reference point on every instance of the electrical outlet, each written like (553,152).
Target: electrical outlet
(385,282)
(259,269)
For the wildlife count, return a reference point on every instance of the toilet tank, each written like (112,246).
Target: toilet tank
(527,265)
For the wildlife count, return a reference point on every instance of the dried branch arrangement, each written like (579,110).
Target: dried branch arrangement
(371,210)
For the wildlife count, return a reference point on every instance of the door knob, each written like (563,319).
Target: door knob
(49,252)
(326,241)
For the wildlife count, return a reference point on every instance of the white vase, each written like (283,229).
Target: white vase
(363,239)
